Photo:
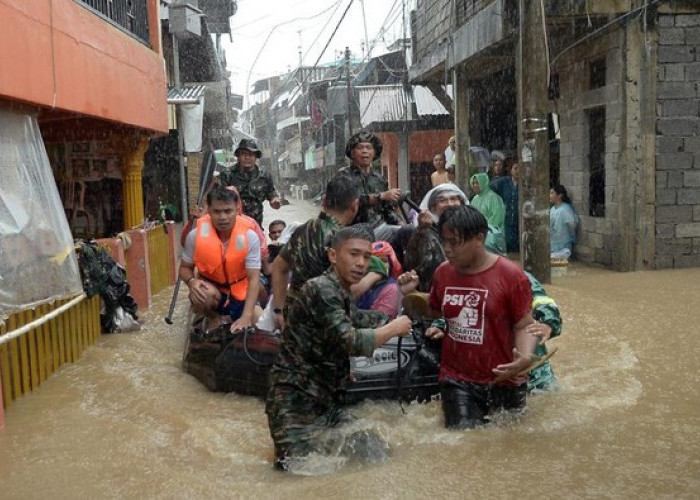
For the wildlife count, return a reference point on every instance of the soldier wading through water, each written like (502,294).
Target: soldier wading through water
(323,329)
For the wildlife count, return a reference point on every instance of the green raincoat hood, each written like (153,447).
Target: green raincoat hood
(483,180)
(488,202)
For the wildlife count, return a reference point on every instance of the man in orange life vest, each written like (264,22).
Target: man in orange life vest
(226,252)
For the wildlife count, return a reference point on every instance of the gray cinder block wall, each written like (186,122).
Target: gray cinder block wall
(678,143)
(598,236)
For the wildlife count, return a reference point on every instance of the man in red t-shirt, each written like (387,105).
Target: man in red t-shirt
(485,301)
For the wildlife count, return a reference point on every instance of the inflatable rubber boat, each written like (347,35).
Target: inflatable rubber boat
(240,362)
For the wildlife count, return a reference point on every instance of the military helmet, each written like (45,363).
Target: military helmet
(250,145)
(363,136)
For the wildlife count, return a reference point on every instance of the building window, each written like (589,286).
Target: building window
(597,73)
(596,162)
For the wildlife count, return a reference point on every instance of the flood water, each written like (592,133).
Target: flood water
(126,422)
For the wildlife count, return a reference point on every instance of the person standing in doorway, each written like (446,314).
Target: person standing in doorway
(507,188)
(563,222)
(450,152)
(440,176)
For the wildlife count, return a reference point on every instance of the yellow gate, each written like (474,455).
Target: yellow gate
(158,257)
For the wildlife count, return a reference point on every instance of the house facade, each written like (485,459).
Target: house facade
(623,112)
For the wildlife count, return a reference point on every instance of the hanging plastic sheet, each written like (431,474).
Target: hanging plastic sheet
(37,257)
(192,118)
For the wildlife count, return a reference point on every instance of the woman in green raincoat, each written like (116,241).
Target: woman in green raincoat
(487,201)
(490,205)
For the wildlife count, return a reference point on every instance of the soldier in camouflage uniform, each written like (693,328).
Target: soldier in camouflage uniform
(253,185)
(305,254)
(323,330)
(375,196)
(548,325)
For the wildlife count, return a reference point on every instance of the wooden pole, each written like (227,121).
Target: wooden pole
(461,118)
(533,81)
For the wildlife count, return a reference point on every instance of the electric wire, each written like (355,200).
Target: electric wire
(602,28)
(268,38)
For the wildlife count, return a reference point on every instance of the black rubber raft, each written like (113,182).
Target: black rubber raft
(240,362)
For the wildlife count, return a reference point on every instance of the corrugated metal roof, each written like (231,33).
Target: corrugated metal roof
(185,95)
(426,102)
(382,103)
(387,103)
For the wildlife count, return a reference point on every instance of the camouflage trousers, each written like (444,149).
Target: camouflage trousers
(541,378)
(301,424)
(296,420)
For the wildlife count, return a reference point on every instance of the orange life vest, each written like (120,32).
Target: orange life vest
(226,271)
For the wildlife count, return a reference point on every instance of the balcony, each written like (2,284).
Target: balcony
(128,15)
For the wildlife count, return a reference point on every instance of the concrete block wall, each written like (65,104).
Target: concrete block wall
(599,240)
(678,142)
(432,26)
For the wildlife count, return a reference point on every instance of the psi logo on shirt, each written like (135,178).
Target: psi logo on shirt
(464,311)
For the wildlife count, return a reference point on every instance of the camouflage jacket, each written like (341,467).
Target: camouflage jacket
(323,329)
(546,311)
(306,251)
(254,187)
(369,183)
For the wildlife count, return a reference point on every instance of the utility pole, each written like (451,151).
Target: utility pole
(404,164)
(353,118)
(533,82)
(299,47)
(180,133)
(364,21)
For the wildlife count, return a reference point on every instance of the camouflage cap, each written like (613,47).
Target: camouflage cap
(250,145)
(364,136)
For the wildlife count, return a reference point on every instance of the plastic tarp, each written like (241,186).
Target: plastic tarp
(193,118)
(38,262)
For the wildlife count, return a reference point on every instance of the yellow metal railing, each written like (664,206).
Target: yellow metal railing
(158,257)
(28,360)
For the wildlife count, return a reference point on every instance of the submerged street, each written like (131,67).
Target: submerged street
(125,421)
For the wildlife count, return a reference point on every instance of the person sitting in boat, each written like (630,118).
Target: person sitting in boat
(305,254)
(423,251)
(383,291)
(323,329)
(225,250)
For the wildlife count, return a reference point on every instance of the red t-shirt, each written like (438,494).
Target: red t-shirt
(480,310)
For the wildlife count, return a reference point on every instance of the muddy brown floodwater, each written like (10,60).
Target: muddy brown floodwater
(126,422)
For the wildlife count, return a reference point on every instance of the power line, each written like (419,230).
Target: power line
(394,12)
(247,85)
(301,86)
